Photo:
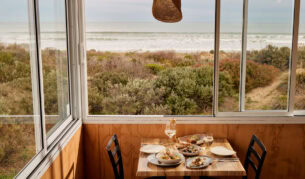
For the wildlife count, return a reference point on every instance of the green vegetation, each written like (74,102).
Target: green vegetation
(14,154)
(165,82)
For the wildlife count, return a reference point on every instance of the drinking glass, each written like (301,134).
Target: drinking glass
(208,140)
(170,128)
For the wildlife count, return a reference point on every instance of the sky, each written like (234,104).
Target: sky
(264,11)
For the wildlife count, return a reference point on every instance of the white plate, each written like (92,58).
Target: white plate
(153,160)
(152,149)
(222,151)
(207,162)
(174,161)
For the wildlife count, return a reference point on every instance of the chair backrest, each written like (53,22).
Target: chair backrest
(118,173)
(260,158)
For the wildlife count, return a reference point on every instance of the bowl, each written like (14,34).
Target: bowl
(170,161)
(190,154)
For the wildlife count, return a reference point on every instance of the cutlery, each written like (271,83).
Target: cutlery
(227,159)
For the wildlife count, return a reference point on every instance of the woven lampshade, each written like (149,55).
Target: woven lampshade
(167,10)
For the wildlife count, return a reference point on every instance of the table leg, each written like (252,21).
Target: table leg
(186,177)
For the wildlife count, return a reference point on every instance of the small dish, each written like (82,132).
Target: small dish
(190,150)
(152,148)
(222,151)
(206,161)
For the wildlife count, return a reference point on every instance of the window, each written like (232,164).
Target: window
(35,104)
(230,55)
(268,54)
(300,73)
(19,112)
(55,66)
(140,66)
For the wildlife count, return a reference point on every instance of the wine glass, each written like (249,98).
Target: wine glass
(208,140)
(170,128)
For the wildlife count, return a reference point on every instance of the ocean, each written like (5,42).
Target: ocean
(152,36)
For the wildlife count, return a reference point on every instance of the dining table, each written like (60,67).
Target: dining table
(221,166)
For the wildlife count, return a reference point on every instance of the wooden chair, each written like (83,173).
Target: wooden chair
(260,158)
(118,171)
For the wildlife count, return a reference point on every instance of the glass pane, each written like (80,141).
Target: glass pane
(18,106)
(300,75)
(54,62)
(140,66)
(229,55)
(268,54)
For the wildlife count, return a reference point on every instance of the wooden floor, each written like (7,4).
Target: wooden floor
(285,146)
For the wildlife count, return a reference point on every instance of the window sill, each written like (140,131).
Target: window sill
(157,119)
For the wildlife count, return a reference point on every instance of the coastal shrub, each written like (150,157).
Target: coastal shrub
(162,56)
(300,78)
(226,86)
(300,89)
(11,67)
(181,106)
(257,75)
(136,97)
(301,57)
(155,68)
(183,62)
(280,103)
(231,67)
(11,150)
(271,55)
(95,100)
(103,81)
(188,90)
(50,92)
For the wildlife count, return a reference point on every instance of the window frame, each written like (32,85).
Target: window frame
(62,124)
(74,120)
(75,15)
(289,112)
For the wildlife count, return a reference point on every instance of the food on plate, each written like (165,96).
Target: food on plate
(198,161)
(194,138)
(182,145)
(169,154)
(199,142)
(190,149)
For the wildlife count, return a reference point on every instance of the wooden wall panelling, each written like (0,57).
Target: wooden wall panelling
(285,145)
(69,163)
(92,151)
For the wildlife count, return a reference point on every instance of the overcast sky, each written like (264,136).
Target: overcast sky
(266,11)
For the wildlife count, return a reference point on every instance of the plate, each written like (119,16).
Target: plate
(190,154)
(152,149)
(153,160)
(222,151)
(207,162)
(193,139)
(172,161)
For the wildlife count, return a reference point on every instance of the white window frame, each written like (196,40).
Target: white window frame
(50,145)
(252,116)
(79,89)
